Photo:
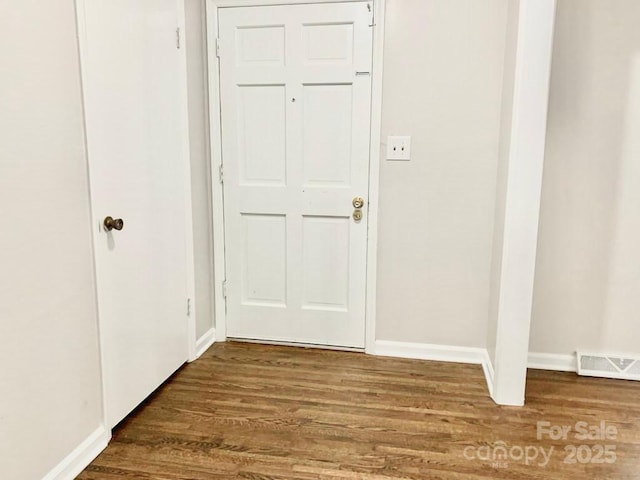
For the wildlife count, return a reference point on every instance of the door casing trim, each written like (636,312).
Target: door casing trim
(215,139)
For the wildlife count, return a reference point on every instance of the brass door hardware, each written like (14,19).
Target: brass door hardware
(358,202)
(111,223)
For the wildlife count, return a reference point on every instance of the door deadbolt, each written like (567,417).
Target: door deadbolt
(111,223)
(357,214)
(358,202)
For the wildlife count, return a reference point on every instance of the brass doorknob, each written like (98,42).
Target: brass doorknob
(111,223)
(358,202)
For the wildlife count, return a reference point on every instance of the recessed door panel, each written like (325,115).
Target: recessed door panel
(261,134)
(264,280)
(325,247)
(328,43)
(260,45)
(327,134)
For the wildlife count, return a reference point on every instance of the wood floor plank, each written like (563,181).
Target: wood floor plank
(257,412)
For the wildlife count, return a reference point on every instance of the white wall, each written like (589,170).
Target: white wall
(50,394)
(587,273)
(200,165)
(442,85)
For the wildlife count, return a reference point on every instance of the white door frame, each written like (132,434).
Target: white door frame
(190,311)
(215,136)
(185,161)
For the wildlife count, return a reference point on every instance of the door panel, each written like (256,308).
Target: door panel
(262,138)
(295,93)
(329,44)
(325,263)
(327,134)
(133,102)
(264,276)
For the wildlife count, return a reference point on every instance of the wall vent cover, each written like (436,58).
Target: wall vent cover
(607,365)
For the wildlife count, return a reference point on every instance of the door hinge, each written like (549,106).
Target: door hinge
(373,15)
(178,38)
(188,307)
(224,289)
(218,47)
(221,174)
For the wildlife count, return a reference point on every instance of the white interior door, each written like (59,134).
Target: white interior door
(133,97)
(295,96)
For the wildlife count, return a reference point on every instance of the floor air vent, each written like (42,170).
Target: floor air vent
(609,366)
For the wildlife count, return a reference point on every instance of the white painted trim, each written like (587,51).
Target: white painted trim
(258,3)
(476,356)
(425,351)
(522,205)
(215,136)
(437,353)
(81,456)
(217,193)
(204,342)
(188,200)
(552,361)
(207,144)
(374,174)
(487,368)
(297,345)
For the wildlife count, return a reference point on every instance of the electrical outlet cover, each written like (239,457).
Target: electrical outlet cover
(399,148)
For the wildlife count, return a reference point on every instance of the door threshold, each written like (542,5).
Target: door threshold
(296,344)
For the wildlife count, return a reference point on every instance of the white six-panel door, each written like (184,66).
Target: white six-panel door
(295,99)
(134,106)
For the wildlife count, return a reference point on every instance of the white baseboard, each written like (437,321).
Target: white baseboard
(487,368)
(425,351)
(552,361)
(71,466)
(478,356)
(438,353)
(204,342)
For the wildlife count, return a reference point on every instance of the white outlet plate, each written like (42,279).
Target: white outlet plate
(399,148)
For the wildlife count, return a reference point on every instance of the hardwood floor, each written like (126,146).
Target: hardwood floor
(246,411)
